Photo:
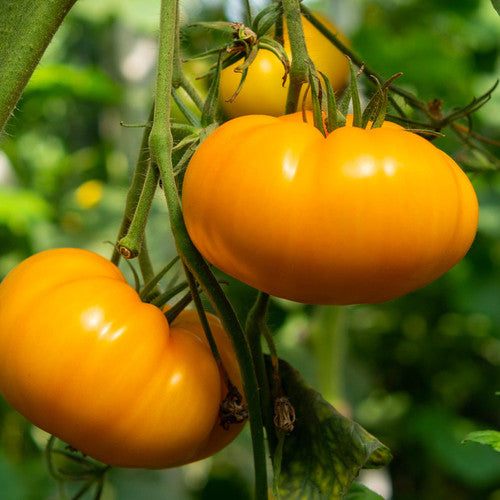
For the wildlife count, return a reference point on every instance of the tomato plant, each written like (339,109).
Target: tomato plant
(263,91)
(355,215)
(360,216)
(87,361)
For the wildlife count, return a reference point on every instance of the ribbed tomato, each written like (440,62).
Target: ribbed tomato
(263,90)
(84,359)
(360,216)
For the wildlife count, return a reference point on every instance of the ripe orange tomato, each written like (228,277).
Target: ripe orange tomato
(361,216)
(84,359)
(263,92)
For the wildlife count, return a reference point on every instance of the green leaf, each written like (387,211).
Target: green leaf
(356,104)
(325,452)
(266,18)
(496,5)
(20,209)
(436,429)
(361,492)
(216,36)
(90,84)
(316,100)
(211,106)
(490,438)
(331,114)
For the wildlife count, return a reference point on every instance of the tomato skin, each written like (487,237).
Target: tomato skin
(263,92)
(84,359)
(362,216)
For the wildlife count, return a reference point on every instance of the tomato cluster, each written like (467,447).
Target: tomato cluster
(359,216)
(86,360)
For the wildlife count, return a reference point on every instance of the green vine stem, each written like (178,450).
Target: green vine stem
(301,63)
(136,185)
(161,145)
(179,78)
(26,29)
(193,287)
(151,284)
(145,264)
(256,321)
(328,340)
(130,244)
(178,307)
(162,299)
(368,72)
(191,91)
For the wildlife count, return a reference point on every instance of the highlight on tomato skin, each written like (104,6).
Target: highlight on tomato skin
(84,359)
(361,216)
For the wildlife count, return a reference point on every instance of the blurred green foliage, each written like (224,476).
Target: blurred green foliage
(420,373)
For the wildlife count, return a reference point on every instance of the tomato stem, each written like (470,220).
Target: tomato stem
(151,284)
(130,244)
(162,299)
(145,264)
(193,286)
(300,64)
(328,340)
(178,307)
(161,145)
(136,185)
(191,91)
(255,324)
(408,96)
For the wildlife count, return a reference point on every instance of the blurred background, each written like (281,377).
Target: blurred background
(419,372)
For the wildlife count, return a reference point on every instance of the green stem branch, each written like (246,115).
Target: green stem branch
(299,67)
(368,72)
(161,145)
(254,329)
(130,244)
(328,340)
(136,185)
(192,92)
(193,286)
(145,264)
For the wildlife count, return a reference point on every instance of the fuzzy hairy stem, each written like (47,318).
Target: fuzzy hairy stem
(300,65)
(26,29)
(161,145)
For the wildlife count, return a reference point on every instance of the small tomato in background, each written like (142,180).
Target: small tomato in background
(263,92)
(89,194)
(84,359)
(361,216)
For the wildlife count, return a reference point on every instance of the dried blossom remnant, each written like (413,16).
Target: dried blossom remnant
(242,32)
(436,108)
(126,252)
(232,409)
(284,414)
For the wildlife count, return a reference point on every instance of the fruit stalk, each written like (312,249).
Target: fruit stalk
(161,144)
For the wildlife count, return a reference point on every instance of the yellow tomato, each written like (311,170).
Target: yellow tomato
(84,359)
(89,194)
(360,216)
(263,92)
